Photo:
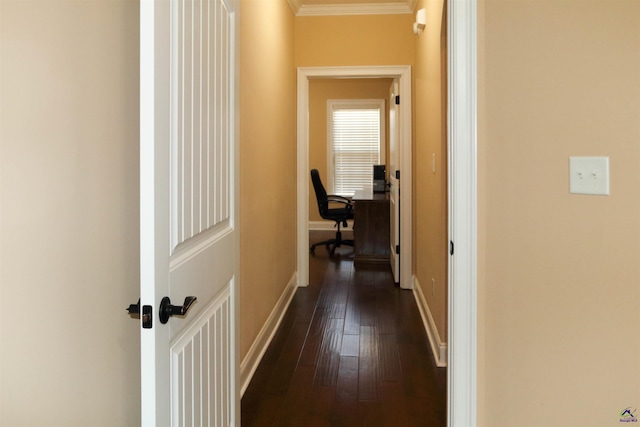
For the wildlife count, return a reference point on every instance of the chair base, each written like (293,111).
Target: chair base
(332,244)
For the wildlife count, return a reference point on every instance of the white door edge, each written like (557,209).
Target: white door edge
(463,213)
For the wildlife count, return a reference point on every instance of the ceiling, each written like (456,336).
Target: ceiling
(351,7)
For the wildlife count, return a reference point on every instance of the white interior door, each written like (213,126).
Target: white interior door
(188,207)
(394,191)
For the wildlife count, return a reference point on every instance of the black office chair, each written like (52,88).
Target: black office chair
(339,215)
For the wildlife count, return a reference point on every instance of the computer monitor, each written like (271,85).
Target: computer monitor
(379,178)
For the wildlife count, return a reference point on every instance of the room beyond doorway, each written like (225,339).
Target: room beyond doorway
(403,76)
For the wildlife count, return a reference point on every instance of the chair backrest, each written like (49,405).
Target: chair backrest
(321,193)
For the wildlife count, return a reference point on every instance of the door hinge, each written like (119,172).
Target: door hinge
(397,249)
(450,247)
(397,99)
(397,174)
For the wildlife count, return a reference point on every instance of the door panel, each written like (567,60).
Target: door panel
(188,227)
(200,376)
(394,191)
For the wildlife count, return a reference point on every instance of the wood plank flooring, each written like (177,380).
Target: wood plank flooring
(350,351)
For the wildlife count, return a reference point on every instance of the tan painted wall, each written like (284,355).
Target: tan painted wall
(354,40)
(559,274)
(430,225)
(69,213)
(267,161)
(320,91)
(324,41)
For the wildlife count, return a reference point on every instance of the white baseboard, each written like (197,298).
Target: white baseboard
(328,225)
(259,347)
(438,348)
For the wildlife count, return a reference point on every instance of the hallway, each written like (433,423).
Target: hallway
(350,351)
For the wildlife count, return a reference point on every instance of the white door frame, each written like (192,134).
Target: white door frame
(463,213)
(403,74)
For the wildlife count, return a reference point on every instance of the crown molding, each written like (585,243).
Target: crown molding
(405,7)
(294,5)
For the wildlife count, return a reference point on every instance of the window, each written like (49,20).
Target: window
(355,143)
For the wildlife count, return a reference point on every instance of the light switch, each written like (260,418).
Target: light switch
(589,175)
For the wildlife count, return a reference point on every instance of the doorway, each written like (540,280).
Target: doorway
(403,76)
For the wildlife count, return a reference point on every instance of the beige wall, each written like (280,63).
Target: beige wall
(267,161)
(430,224)
(69,213)
(559,274)
(320,91)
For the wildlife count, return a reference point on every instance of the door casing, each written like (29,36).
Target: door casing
(463,212)
(403,74)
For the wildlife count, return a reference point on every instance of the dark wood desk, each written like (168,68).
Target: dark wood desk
(371,227)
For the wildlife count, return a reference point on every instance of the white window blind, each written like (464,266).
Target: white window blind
(356,134)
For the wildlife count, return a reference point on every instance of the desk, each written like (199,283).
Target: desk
(371,227)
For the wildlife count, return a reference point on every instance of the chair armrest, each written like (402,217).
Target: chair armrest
(340,199)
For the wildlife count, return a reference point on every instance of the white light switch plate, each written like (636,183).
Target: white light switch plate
(589,175)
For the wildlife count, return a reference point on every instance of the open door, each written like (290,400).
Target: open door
(188,208)
(394,189)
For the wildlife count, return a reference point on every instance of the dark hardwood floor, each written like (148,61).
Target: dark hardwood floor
(350,351)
